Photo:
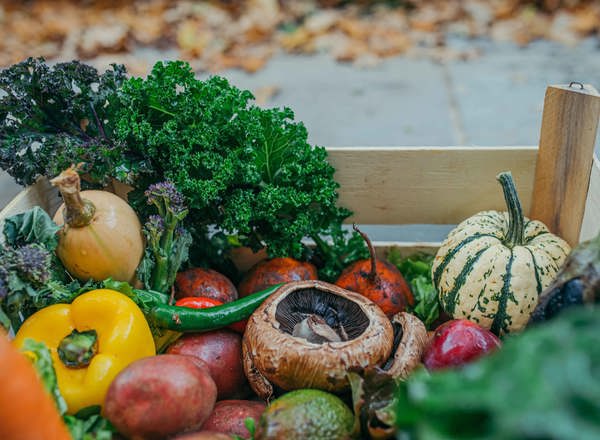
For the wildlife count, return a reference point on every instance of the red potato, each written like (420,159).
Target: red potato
(203,435)
(159,396)
(205,282)
(228,416)
(221,350)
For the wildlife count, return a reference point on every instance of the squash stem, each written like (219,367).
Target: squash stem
(78,212)
(516,221)
(373,273)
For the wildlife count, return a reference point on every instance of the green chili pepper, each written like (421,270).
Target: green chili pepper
(185,319)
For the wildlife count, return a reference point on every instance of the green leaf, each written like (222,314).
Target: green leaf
(32,226)
(39,353)
(145,268)
(416,269)
(88,424)
(250,426)
(543,383)
(146,300)
(4,320)
(374,403)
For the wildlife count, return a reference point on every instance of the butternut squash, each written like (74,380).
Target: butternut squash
(101,235)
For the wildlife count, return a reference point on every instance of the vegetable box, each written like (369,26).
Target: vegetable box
(558,182)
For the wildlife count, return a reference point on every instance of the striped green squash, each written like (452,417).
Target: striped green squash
(493,266)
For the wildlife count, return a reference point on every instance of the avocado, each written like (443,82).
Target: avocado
(306,414)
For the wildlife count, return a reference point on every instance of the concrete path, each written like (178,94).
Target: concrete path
(492,100)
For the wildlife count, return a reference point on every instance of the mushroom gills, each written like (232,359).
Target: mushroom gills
(398,332)
(410,338)
(320,317)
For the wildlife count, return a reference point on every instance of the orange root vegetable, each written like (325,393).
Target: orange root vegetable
(101,235)
(378,280)
(267,273)
(27,411)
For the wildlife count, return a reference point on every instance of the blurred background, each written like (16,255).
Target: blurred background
(430,72)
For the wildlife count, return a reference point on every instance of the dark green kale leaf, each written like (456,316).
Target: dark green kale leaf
(51,117)
(543,384)
(249,174)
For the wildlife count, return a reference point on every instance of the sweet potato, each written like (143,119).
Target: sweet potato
(228,416)
(159,396)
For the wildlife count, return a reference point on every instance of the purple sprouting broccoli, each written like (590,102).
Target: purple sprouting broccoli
(33,262)
(30,262)
(23,270)
(167,240)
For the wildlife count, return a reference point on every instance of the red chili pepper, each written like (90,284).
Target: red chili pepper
(198,302)
(203,302)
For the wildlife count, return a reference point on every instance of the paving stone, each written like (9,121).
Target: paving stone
(500,95)
(400,102)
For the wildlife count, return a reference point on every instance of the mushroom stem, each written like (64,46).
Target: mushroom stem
(316,330)
(373,274)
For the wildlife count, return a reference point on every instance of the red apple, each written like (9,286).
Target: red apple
(458,342)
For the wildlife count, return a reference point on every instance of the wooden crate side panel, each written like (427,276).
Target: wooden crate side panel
(41,193)
(591,217)
(428,185)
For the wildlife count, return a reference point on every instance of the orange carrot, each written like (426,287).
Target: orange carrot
(27,411)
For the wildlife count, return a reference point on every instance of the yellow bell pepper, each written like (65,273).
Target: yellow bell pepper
(123,336)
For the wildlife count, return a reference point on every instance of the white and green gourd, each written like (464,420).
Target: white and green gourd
(493,266)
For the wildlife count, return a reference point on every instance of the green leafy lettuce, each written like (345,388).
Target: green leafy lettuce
(543,384)
(416,269)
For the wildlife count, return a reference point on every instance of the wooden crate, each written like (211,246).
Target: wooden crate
(559,182)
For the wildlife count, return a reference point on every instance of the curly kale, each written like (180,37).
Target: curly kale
(249,175)
(51,117)
(246,172)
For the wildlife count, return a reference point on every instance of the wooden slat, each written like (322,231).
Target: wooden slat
(41,194)
(591,219)
(432,185)
(567,140)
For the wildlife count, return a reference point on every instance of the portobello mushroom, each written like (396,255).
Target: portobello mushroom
(310,334)
(410,339)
